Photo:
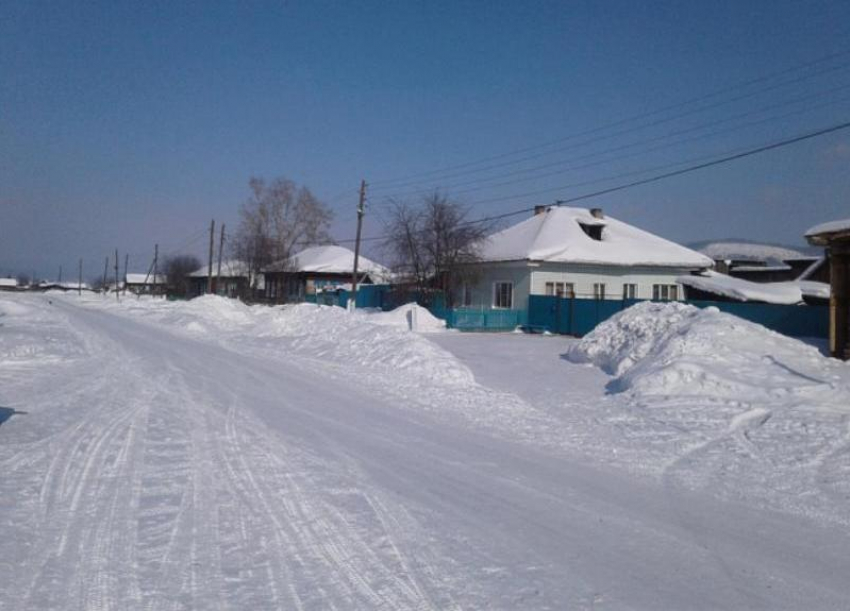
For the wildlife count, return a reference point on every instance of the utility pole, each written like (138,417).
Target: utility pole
(361,210)
(220,250)
(117,297)
(126,262)
(105,270)
(155,270)
(209,268)
(80,280)
(60,275)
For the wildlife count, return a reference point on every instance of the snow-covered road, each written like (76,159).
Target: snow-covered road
(156,470)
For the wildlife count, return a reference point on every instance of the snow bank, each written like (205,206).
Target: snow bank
(412,317)
(676,349)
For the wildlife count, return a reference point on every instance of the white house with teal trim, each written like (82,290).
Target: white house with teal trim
(581,253)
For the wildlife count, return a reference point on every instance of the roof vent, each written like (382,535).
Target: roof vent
(597,213)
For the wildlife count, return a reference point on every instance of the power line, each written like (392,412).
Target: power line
(421,177)
(486,183)
(658,177)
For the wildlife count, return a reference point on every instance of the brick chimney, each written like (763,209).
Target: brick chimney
(597,213)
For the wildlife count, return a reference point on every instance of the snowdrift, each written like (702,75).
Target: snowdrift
(678,349)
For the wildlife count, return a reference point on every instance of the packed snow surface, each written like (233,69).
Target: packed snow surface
(557,236)
(213,455)
(782,293)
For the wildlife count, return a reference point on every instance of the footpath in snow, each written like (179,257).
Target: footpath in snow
(212,455)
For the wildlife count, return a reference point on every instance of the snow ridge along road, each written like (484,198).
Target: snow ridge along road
(161,468)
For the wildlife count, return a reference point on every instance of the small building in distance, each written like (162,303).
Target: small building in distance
(757,262)
(233,281)
(8,284)
(835,236)
(316,270)
(580,253)
(144,284)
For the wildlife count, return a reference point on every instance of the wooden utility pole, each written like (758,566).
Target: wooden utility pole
(60,275)
(117,297)
(220,250)
(80,280)
(209,268)
(155,270)
(126,263)
(361,210)
(105,270)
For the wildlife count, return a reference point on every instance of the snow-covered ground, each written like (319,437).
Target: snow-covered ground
(210,455)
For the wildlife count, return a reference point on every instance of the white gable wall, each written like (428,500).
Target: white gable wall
(531,278)
(583,277)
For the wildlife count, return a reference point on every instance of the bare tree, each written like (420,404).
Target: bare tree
(278,219)
(23,279)
(434,244)
(177,269)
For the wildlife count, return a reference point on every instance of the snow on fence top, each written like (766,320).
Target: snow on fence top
(786,293)
(557,235)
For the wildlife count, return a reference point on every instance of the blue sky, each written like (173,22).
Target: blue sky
(126,124)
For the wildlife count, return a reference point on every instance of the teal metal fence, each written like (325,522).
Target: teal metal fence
(580,316)
(478,319)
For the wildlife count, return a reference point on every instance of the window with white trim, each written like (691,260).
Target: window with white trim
(630,291)
(503,295)
(466,296)
(599,290)
(665,292)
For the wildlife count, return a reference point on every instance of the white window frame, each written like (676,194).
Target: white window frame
(496,285)
(599,290)
(630,290)
(665,292)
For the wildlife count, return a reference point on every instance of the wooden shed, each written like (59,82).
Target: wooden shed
(835,236)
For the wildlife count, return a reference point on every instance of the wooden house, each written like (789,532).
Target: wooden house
(316,270)
(835,236)
(578,253)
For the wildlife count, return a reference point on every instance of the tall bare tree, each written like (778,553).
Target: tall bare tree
(434,244)
(177,269)
(279,219)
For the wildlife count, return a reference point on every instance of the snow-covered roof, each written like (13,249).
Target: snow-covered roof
(335,260)
(832,227)
(743,290)
(748,251)
(232,268)
(8,282)
(140,279)
(776,267)
(811,288)
(557,236)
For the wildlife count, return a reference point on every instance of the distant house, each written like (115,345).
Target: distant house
(316,270)
(835,236)
(8,284)
(758,262)
(144,284)
(233,281)
(578,253)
